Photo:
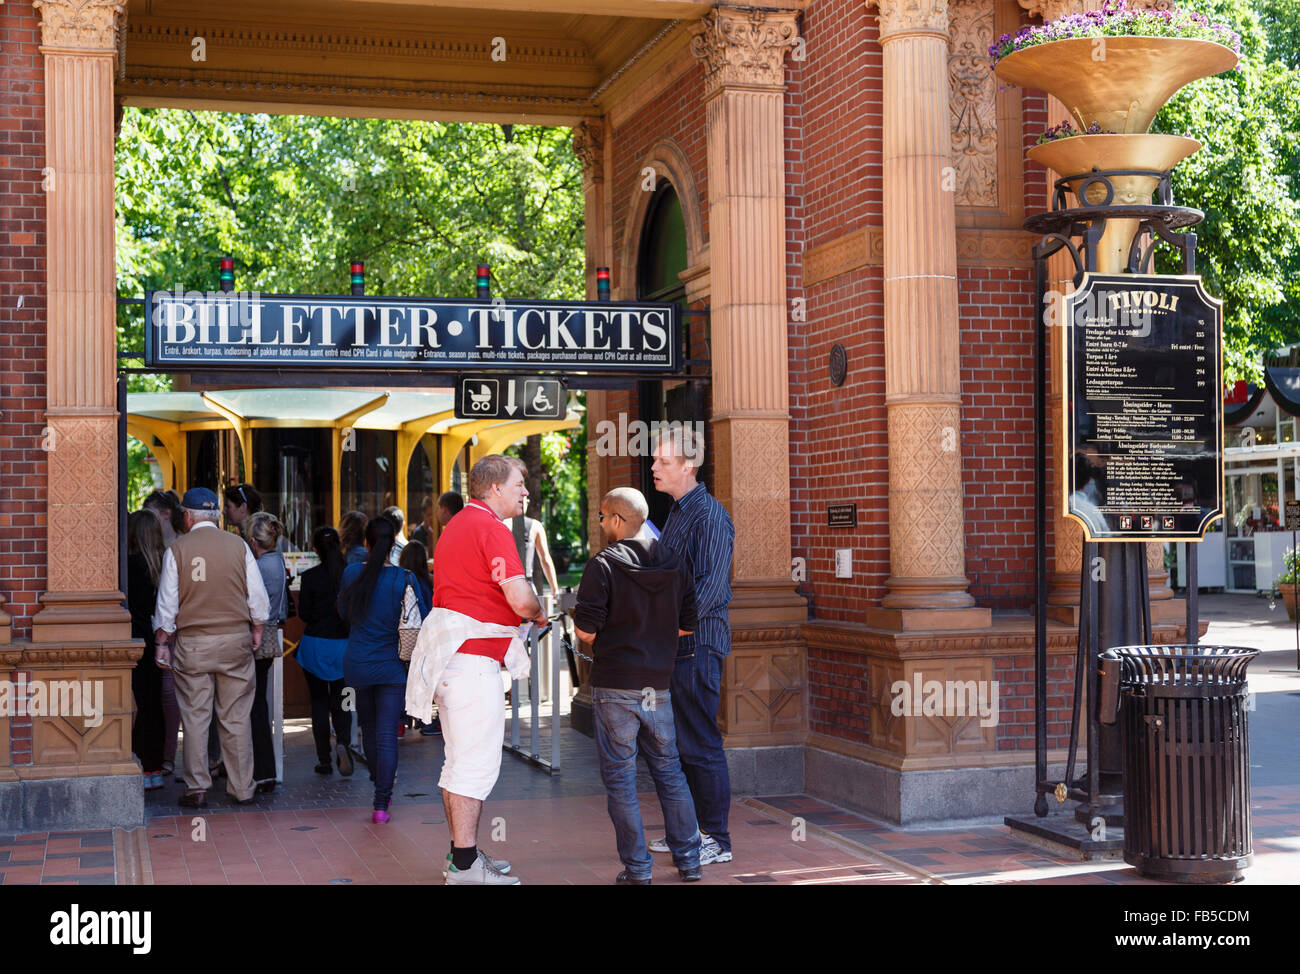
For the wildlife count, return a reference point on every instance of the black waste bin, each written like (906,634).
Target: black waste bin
(1182,713)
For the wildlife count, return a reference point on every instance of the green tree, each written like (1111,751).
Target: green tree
(1246,179)
(293,199)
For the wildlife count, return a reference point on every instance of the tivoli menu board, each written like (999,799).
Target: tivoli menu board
(1144,407)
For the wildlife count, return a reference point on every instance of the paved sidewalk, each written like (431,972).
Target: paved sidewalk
(555,830)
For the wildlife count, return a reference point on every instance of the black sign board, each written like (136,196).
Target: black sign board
(1144,407)
(842,515)
(1292,516)
(192,329)
(481,396)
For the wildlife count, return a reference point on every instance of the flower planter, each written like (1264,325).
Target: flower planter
(1118,82)
(1080,154)
(1288,597)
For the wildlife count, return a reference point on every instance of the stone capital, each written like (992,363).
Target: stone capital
(911,17)
(744,48)
(81,25)
(589,147)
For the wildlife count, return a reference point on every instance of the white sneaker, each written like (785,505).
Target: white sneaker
(711,852)
(660,844)
(482,873)
(500,865)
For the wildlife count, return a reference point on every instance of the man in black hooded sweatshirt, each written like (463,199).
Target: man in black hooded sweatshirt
(635,600)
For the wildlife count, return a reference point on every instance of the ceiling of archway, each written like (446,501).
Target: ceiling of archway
(502,60)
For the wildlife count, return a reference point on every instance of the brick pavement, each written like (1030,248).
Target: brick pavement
(317,830)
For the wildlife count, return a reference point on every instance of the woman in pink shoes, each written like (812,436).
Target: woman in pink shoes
(370,601)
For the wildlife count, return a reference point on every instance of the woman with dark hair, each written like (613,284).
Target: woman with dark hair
(242,502)
(263,532)
(321,649)
(352,534)
(145,551)
(371,601)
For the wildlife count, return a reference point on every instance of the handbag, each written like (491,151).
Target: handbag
(408,629)
(270,646)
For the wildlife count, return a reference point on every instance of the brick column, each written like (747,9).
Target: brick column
(927,585)
(82,601)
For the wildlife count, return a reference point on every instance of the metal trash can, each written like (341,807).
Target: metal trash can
(1182,713)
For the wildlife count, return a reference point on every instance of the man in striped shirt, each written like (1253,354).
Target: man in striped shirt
(700,532)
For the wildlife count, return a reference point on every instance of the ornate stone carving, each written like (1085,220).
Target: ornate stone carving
(89,25)
(911,16)
(973,97)
(744,47)
(82,494)
(589,147)
(927,523)
(760,497)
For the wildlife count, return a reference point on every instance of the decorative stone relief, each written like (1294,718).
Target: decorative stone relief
(90,25)
(82,494)
(909,16)
(744,47)
(589,147)
(973,97)
(927,523)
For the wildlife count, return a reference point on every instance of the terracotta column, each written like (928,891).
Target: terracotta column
(927,551)
(82,602)
(743,53)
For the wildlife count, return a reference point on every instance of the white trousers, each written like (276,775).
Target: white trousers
(472,709)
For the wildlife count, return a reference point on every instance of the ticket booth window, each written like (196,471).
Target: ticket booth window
(368,473)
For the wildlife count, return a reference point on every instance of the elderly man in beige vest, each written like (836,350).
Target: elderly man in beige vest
(211,607)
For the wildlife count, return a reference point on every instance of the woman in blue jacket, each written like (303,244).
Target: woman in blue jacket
(371,601)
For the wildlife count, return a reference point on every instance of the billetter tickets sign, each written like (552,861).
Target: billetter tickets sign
(195,329)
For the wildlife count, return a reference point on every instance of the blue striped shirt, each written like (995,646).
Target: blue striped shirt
(699,530)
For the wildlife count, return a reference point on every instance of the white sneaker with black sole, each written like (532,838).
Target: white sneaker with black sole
(711,852)
(500,865)
(482,873)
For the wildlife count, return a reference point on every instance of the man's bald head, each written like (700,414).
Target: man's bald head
(629,504)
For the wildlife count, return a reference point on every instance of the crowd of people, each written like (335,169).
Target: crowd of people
(415,647)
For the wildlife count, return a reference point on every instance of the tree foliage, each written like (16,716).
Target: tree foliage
(293,199)
(1246,179)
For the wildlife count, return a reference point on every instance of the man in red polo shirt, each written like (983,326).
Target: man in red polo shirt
(477,572)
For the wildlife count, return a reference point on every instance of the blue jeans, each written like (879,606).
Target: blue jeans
(379,708)
(623,720)
(697,690)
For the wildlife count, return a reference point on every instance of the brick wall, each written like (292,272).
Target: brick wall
(838,449)
(22,328)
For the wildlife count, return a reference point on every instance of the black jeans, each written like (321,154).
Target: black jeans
(263,747)
(147,729)
(327,704)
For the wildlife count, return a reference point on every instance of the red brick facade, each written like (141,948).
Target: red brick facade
(22,327)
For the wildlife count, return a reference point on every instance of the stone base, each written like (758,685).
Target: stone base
(920,797)
(1063,835)
(67,804)
(766,770)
